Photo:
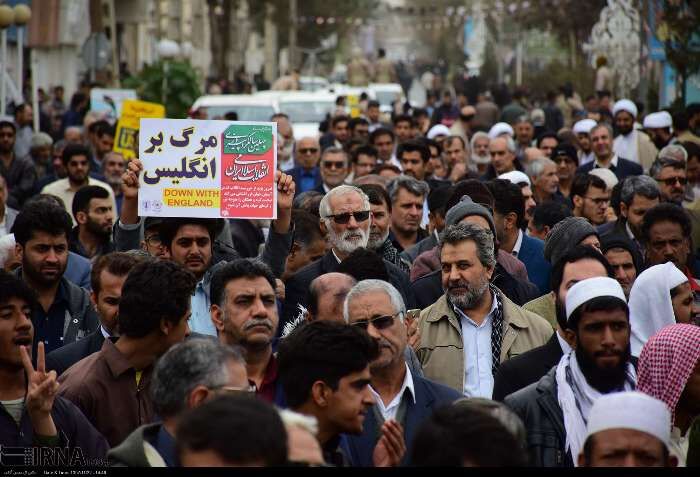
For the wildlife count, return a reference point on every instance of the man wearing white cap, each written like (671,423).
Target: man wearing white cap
(658,125)
(558,405)
(521,179)
(501,129)
(582,129)
(631,144)
(627,429)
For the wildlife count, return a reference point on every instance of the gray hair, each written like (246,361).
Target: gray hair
(368,286)
(335,150)
(478,135)
(663,162)
(638,185)
(536,166)
(192,363)
(295,419)
(483,239)
(674,152)
(510,143)
(505,415)
(411,184)
(40,139)
(602,125)
(324,208)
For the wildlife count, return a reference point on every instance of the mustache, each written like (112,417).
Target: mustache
(258,322)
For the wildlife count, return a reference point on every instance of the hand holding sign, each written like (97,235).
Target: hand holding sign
(41,392)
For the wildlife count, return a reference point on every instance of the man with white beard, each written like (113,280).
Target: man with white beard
(479,145)
(346,217)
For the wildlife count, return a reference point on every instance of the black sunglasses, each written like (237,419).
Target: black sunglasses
(379,322)
(672,181)
(310,150)
(344,218)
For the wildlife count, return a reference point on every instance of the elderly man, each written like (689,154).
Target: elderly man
(185,377)
(335,167)
(479,147)
(638,194)
(559,404)
(605,156)
(473,327)
(326,296)
(306,174)
(524,134)
(502,151)
(630,143)
(627,429)
(377,307)
(671,176)
(545,181)
(346,217)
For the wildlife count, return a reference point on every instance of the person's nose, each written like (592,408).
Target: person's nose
(608,339)
(454,274)
(51,256)
(367,398)
(668,250)
(259,309)
(373,332)
(352,223)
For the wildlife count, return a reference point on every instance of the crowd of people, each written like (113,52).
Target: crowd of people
(460,284)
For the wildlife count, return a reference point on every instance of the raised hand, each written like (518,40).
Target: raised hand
(285,190)
(391,446)
(130,179)
(42,388)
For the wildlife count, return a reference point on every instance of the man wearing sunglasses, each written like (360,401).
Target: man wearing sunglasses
(185,377)
(671,177)
(306,174)
(346,218)
(400,396)
(335,167)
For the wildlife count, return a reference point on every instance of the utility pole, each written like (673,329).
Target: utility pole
(293,16)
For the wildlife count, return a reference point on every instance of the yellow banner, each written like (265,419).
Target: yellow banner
(125,140)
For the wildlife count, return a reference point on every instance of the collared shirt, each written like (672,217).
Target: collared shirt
(612,165)
(104,387)
(266,390)
(308,181)
(565,347)
(389,411)
(200,320)
(584,158)
(49,327)
(518,244)
(476,340)
(326,189)
(335,256)
(104,332)
(62,189)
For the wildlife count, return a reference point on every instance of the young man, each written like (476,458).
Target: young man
(559,404)
(76,159)
(414,157)
(590,197)
(545,217)
(31,414)
(92,210)
(473,327)
(64,314)
(325,372)
(111,386)
(106,280)
(18,171)
(399,395)
(364,160)
(624,258)
(383,141)
(244,313)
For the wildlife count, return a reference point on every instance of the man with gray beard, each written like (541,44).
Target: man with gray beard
(346,217)
(473,327)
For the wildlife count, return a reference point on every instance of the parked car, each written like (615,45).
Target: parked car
(306,110)
(249,107)
(386,94)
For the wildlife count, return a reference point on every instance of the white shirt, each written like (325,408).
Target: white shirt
(389,411)
(585,158)
(678,446)
(566,349)
(626,146)
(105,333)
(518,244)
(476,341)
(336,257)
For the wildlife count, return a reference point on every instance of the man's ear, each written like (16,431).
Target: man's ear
(324,229)
(623,209)
(217,317)
(577,200)
(197,396)
(81,217)
(320,393)
(510,220)
(570,337)
(19,251)
(294,250)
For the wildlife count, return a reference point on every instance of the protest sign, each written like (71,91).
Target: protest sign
(109,101)
(210,169)
(128,125)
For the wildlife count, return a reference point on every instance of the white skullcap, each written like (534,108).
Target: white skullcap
(630,410)
(625,105)
(658,120)
(586,290)
(499,129)
(607,175)
(438,130)
(516,177)
(584,126)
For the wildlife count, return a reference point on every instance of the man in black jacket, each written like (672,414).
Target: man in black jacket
(346,217)
(556,408)
(106,279)
(580,263)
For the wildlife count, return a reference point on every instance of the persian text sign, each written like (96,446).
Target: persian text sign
(208,169)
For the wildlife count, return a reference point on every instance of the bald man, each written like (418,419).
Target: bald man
(327,294)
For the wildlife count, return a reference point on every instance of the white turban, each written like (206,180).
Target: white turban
(499,129)
(515,177)
(438,130)
(607,175)
(625,105)
(586,290)
(658,120)
(584,126)
(630,410)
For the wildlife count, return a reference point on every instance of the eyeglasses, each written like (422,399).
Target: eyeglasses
(308,150)
(344,218)
(153,241)
(334,164)
(600,200)
(379,322)
(672,181)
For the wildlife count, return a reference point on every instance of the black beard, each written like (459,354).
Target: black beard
(98,231)
(624,131)
(604,380)
(660,143)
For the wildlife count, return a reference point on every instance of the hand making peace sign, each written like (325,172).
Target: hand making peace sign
(42,388)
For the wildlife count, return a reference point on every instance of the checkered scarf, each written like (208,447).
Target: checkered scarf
(389,253)
(667,361)
(496,330)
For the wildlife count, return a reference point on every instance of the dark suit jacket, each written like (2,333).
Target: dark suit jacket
(296,174)
(319,188)
(525,369)
(428,288)
(429,396)
(66,356)
(624,168)
(538,269)
(297,287)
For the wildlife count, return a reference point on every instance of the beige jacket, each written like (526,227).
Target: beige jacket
(646,151)
(441,350)
(545,307)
